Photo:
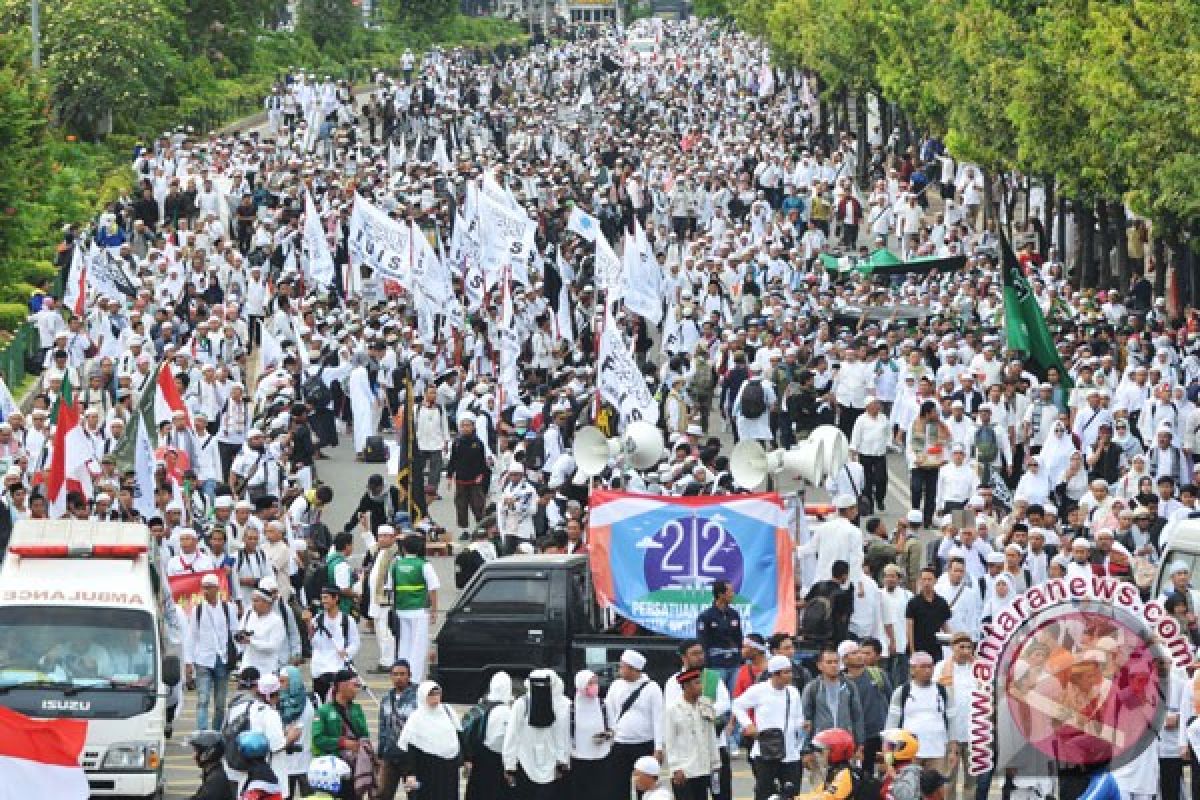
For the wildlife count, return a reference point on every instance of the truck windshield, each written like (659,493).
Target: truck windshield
(79,648)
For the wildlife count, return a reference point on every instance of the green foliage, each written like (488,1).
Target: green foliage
(713,9)
(109,57)
(12,315)
(418,13)
(328,22)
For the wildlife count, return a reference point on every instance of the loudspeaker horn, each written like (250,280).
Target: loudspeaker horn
(591,451)
(642,444)
(748,464)
(835,447)
(807,460)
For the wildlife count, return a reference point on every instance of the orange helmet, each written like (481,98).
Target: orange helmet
(837,744)
(899,744)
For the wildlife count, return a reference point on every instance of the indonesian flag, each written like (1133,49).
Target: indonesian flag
(75,295)
(166,397)
(69,462)
(41,758)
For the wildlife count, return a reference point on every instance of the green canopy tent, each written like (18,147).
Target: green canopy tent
(885,262)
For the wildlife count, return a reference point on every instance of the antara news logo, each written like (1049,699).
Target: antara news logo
(1073,674)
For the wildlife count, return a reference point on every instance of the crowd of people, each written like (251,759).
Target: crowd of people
(278,343)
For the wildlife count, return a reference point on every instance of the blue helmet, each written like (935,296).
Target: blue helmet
(252,745)
(1102,787)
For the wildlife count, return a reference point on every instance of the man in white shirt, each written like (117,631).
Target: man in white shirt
(261,635)
(957,481)
(838,539)
(335,641)
(869,440)
(776,706)
(690,740)
(1090,418)
(893,603)
(961,594)
(190,558)
(924,708)
(635,712)
(210,632)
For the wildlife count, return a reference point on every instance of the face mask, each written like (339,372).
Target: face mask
(592,690)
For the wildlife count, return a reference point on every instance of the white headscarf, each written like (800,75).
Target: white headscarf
(1056,455)
(500,688)
(431,729)
(995,603)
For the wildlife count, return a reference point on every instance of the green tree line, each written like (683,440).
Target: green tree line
(1098,100)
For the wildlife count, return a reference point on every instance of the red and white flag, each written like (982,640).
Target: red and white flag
(70,467)
(41,758)
(167,399)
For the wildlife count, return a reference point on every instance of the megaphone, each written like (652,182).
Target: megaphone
(807,460)
(641,445)
(591,451)
(749,464)
(835,447)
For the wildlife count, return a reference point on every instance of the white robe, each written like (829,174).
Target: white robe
(362,407)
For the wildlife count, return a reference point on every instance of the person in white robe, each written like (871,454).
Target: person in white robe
(364,406)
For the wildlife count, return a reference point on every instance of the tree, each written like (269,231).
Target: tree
(109,58)
(328,22)
(419,13)
(22,129)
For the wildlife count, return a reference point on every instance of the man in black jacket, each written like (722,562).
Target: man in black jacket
(468,471)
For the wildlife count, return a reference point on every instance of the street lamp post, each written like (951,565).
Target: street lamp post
(35,24)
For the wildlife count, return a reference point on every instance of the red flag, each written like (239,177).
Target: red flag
(40,758)
(167,399)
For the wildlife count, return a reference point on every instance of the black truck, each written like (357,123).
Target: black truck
(523,613)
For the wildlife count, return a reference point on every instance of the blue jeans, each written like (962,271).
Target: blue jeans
(211,683)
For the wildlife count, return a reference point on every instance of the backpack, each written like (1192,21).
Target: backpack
(754,400)
(474,728)
(866,785)
(316,393)
(703,379)
(986,446)
(907,783)
(816,619)
(375,450)
(315,577)
(236,723)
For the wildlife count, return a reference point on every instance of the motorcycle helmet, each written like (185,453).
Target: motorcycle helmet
(326,773)
(899,744)
(252,745)
(208,747)
(835,744)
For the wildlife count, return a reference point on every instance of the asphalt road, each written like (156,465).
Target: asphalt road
(348,479)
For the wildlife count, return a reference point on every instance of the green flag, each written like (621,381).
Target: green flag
(142,416)
(65,395)
(1024,323)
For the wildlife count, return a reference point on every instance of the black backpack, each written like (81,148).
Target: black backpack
(316,393)
(466,564)
(236,723)
(316,576)
(474,728)
(375,451)
(754,400)
(816,619)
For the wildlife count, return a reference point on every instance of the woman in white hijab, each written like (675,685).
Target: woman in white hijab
(429,742)
(591,741)
(483,753)
(537,745)
(999,597)
(1034,485)
(1056,452)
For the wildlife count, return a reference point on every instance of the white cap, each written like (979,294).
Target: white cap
(914,517)
(224,501)
(268,684)
(778,664)
(632,658)
(844,500)
(648,765)
(210,580)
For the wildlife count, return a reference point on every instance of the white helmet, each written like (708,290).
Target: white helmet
(326,773)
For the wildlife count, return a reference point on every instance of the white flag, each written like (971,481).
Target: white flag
(583,223)
(506,238)
(585,97)
(621,382)
(7,404)
(610,271)
(270,352)
(440,158)
(643,277)
(396,155)
(563,321)
(143,468)
(320,261)
(378,241)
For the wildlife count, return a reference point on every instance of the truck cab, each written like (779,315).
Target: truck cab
(83,635)
(523,613)
(1182,544)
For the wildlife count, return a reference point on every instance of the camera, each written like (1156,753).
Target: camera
(242,637)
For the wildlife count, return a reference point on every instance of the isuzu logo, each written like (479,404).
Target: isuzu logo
(66,705)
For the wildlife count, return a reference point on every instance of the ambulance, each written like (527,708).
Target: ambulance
(84,635)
